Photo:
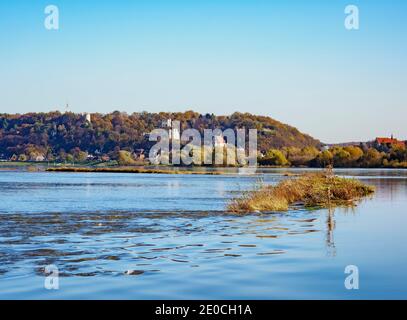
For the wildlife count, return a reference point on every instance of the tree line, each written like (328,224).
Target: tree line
(366,155)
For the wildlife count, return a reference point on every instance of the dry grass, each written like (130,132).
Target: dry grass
(310,190)
(128,170)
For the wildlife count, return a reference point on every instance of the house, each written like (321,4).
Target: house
(389,142)
(139,154)
(166,123)
(219,141)
(87,117)
(105,158)
(39,158)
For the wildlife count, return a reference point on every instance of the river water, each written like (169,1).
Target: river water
(173,234)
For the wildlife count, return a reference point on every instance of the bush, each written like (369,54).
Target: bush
(274,157)
(124,158)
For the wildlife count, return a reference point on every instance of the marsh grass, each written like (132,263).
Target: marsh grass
(310,190)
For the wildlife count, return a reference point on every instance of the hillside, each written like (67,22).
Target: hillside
(55,135)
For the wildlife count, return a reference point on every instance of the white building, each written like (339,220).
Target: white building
(175,134)
(166,123)
(219,141)
(39,158)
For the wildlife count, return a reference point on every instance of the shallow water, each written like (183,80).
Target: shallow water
(172,232)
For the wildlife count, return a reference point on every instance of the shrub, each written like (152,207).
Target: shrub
(125,158)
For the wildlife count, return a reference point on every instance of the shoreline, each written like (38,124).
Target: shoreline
(129,170)
(57,166)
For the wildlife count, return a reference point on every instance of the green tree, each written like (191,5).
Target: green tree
(274,157)
(341,157)
(124,158)
(372,158)
(69,157)
(22,157)
(323,159)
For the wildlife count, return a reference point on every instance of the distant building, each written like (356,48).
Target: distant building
(175,134)
(139,154)
(389,142)
(219,141)
(87,117)
(268,130)
(39,158)
(166,123)
(105,158)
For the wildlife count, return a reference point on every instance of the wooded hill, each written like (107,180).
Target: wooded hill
(54,135)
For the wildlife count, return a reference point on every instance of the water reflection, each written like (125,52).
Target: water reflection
(330,227)
(392,189)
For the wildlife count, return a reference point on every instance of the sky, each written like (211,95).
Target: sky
(292,60)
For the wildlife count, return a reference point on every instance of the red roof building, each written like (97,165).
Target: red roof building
(390,142)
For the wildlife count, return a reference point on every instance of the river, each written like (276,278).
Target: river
(173,234)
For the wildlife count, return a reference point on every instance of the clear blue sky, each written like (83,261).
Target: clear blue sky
(292,60)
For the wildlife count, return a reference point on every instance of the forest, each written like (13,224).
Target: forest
(57,136)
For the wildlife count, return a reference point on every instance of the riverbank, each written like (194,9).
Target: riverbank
(114,164)
(129,170)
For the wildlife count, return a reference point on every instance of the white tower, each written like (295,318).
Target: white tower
(175,134)
(166,123)
(219,141)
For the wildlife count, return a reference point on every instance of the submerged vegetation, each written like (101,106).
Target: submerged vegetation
(310,190)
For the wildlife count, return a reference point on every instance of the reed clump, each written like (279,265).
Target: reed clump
(310,190)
